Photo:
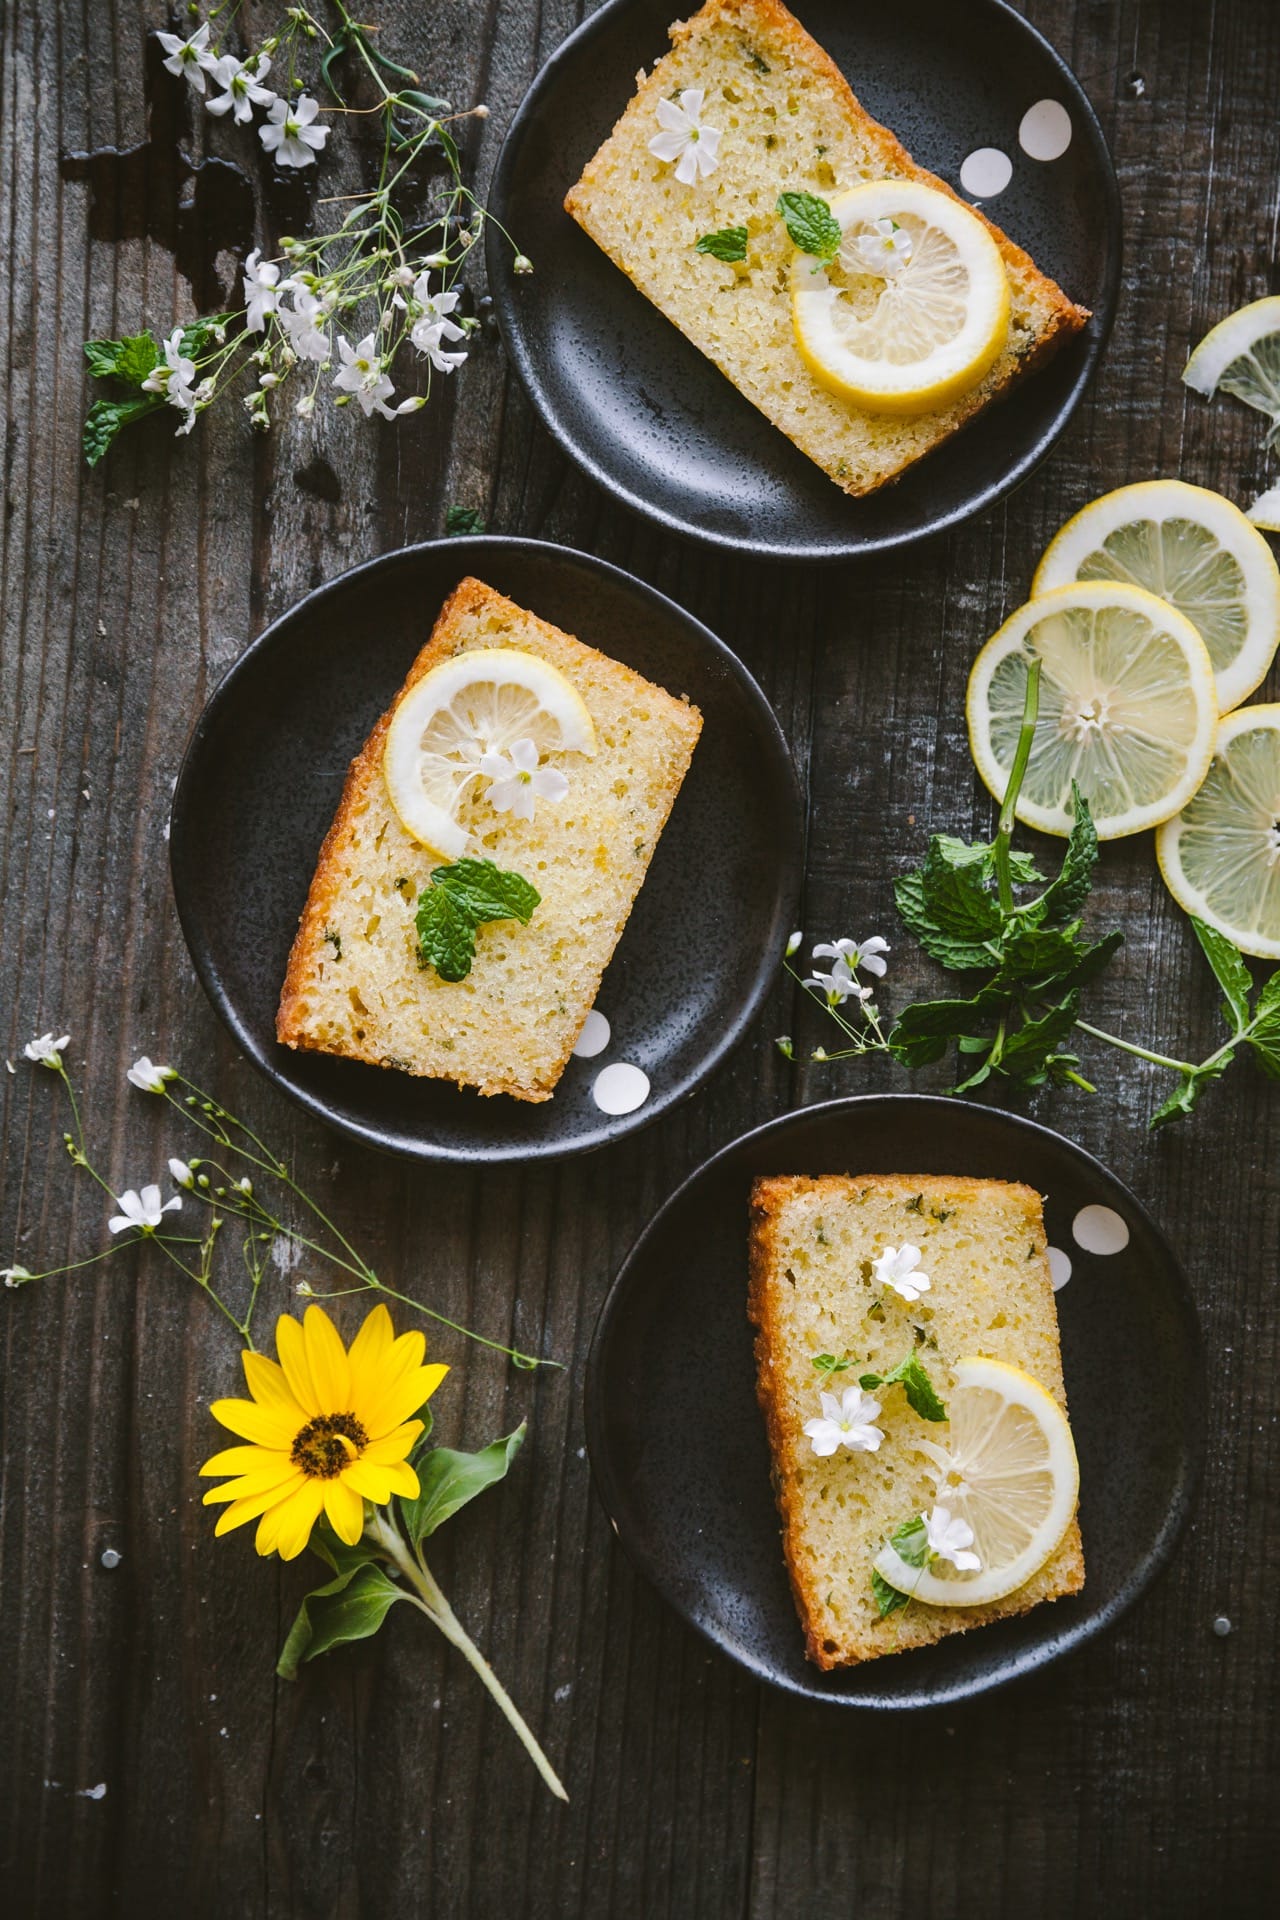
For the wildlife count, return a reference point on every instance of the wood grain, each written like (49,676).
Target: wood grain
(1136,1778)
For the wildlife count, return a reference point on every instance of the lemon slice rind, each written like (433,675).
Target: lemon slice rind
(1248,810)
(951,367)
(478,701)
(1171,720)
(1162,535)
(1232,339)
(1056,1465)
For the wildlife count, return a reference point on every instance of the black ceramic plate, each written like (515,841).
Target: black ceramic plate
(261,781)
(677,1441)
(652,420)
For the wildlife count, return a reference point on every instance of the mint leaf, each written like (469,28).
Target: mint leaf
(1186,1095)
(1232,974)
(911,1542)
(1264,1039)
(462,520)
(916,1384)
(1065,897)
(827,1364)
(456,901)
(728,244)
(1269,998)
(888,1600)
(350,1607)
(922,1031)
(1027,1052)
(130,359)
(106,418)
(812,225)
(448,1480)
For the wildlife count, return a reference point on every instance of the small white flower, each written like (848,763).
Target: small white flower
(147,1077)
(305,1288)
(306,406)
(522,264)
(363,374)
(950,1538)
(242,87)
(839,985)
(684,139)
(262,290)
(191,58)
(948,1473)
(181,1174)
(518,782)
(434,324)
(244,1185)
(173,377)
(14,1276)
(847,1421)
(886,249)
(141,1210)
(290,133)
(46,1051)
(898,1267)
(793,944)
(303,322)
(857,953)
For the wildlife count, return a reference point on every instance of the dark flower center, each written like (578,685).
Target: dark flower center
(327,1444)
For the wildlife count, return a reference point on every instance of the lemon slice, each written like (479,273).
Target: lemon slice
(1265,511)
(1196,551)
(1127,707)
(902,327)
(475,703)
(1010,1471)
(1241,355)
(1220,856)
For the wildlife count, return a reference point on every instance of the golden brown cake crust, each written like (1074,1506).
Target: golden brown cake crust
(769,1196)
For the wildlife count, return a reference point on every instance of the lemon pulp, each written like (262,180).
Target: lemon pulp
(1220,856)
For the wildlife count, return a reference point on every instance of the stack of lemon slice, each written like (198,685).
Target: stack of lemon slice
(1154,612)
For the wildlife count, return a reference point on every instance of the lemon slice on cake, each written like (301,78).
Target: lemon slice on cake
(1009,1471)
(1220,856)
(1198,552)
(913,308)
(478,702)
(1128,707)
(1241,355)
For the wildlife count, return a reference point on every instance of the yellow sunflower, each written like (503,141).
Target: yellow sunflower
(327,1429)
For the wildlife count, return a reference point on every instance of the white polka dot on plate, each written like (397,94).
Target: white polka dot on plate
(1045,130)
(620,1088)
(1100,1230)
(1059,1267)
(594,1037)
(985,173)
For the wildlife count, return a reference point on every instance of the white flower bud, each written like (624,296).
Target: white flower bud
(522,264)
(306,406)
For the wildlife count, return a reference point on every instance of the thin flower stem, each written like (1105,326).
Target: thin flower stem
(1145,1053)
(429,1599)
(1022,753)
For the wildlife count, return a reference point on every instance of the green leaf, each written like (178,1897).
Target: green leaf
(922,1031)
(1232,974)
(456,900)
(1028,1050)
(1186,1095)
(958,952)
(911,1542)
(337,47)
(888,1600)
(463,520)
(1065,897)
(1269,998)
(916,1384)
(335,1552)
(429,103)
(200,334)
(828,1364)
(350,1607)
(727,243)
(1264,1039)
(810,222)
(106,418)
(448,1480)
(130,359)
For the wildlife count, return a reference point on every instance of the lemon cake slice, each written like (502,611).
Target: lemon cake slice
(357,984)
(909,1370)
(771,114)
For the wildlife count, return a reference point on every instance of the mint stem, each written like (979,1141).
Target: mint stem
(1144,1053)
(1004,827)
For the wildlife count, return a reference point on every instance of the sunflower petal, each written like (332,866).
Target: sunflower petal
(248,1509)
(264,1426)
(257,1480)
(371,1483)
(403,1398)
(369,1354)
(241,1459)
(297,1521)
(345,1508)
(393,1446)
(327,1358)
(291,1345)
(269,1387)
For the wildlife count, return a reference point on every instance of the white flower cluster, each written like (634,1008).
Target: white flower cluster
(289,132)
(847,957)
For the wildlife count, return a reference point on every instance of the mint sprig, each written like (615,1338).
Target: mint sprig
(811,224)
(727,243)
(459,899)
(910,1542)
(922,1396)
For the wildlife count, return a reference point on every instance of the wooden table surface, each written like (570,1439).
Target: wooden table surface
(1137,1776)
